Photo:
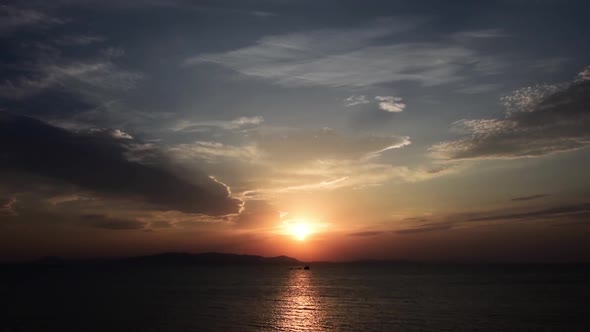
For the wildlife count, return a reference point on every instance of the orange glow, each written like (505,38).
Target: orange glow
(300,231)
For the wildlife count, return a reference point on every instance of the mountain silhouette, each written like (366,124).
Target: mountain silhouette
(210,258)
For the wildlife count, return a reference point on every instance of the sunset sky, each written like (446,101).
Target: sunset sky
(322,130)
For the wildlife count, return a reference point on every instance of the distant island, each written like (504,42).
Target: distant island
(176,258)
(211,258)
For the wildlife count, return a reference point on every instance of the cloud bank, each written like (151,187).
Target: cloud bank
(539,120)
(99,162)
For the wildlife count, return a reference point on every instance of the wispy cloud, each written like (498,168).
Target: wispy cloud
(478,88)
(238,123)
(301,146)
(215,152)
(374,154)
(13,18)
(571,211)
(87,79)
(330,184)
(346,58)
(355,100)
(432,227)
(529,198)
(565,215)
(79,40)
(307,155)
(479,34)
(366,233)
(326,175)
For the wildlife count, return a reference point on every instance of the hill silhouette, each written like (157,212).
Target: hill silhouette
(210,258)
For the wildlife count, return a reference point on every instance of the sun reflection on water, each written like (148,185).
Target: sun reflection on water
(299,307)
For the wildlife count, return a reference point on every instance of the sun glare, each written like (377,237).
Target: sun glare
(300,231)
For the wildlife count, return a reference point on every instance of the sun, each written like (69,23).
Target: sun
(301,228)
(300,231)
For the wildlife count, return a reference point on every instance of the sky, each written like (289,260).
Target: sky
(322,130)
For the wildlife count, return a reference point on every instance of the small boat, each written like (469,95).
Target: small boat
(306,267)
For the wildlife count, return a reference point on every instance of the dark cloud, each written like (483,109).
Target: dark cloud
(103,221)
(539,120)
(433,227)
(581,222)
(7,206)
(99,163)
(562,212)
(558,215)
(528,198)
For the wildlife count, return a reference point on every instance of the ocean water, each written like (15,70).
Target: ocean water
(328,297)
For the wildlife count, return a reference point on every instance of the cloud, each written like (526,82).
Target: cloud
(290,147)
(528,198)
(67,198)
(178,219)
(366,233)
(87,79)
(539,121)
(355,100)
(557,215)
(330,184)
(479,34)
(79,40)
(13,18)
(310,145)
(433,227)
(584,75)
(114,133)
(106,222)
(478,88)
(283,160)
(99,163)
(352,58)
(214,152)
(238,123)
(391,104)
(355,174)
(119,134)
(560,212)
(7,206)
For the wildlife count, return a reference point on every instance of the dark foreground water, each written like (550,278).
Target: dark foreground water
(327,297)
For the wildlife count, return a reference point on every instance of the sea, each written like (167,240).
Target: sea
(327,297)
